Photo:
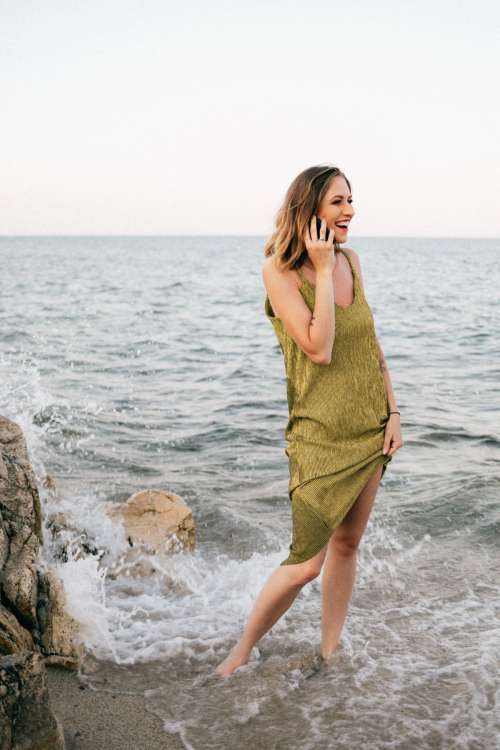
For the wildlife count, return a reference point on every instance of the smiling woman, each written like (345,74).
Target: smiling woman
(342,416)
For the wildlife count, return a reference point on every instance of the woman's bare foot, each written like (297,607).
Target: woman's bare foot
(328,654)
(236,658)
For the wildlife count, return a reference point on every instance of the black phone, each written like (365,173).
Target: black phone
(318,228)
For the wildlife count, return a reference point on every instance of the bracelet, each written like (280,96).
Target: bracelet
(395,412)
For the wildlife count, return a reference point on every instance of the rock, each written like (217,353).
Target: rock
(33,623)
(18,489)
(58,630)
(158,520)
(21,525)
(13,637)
(127,565)
(26,717)
(64,662)
(35,628)
(50,484)
(19,581)
(32,612)
(63,535)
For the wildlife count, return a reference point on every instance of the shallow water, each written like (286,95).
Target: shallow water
(148,362)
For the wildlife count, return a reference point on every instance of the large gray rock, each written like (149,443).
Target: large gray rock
(26,717)
(32,614)
(33,624)
(13,637)
(20,524)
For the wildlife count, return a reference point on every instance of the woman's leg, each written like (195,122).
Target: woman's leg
(275,598)
(339,569)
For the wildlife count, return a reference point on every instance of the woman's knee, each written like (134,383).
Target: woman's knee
(346,544)
(307,571)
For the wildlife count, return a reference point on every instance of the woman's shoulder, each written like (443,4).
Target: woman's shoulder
(271,272)
(268,265)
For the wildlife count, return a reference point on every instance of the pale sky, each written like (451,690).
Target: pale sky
(160,117)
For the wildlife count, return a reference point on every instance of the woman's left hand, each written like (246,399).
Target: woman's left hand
(392,438)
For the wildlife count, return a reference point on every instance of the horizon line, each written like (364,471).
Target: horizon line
(217,234)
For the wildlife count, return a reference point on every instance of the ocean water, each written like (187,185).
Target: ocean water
(148,362)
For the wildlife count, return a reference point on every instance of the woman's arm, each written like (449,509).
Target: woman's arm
(313,332)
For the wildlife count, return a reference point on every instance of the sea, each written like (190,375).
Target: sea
(147,362)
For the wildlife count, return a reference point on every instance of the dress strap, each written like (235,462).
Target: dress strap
(300,273)
(349,261)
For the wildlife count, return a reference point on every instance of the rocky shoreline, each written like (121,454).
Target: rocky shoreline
(44,704)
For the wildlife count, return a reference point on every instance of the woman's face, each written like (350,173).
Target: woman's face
(336,207)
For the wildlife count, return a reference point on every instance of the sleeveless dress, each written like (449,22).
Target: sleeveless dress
(337,417)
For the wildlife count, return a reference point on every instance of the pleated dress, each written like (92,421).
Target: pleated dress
(337,417)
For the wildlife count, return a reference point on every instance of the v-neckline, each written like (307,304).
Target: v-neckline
(354,279)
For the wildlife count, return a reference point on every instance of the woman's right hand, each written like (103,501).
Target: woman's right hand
(320,249)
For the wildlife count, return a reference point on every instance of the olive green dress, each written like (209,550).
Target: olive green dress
(336,426)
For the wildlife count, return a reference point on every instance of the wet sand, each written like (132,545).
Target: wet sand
(99,720)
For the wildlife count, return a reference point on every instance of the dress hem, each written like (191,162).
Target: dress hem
(292,559)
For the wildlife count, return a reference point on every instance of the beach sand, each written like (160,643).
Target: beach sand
(95,719)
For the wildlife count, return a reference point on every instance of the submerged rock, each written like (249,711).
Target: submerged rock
(67,542)
(156,520)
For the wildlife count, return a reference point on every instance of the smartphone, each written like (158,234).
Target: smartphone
(318,228)
(318,225)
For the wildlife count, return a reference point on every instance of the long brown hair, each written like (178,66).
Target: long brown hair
(302,200)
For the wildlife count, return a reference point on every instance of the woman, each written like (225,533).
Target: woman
(343,426)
